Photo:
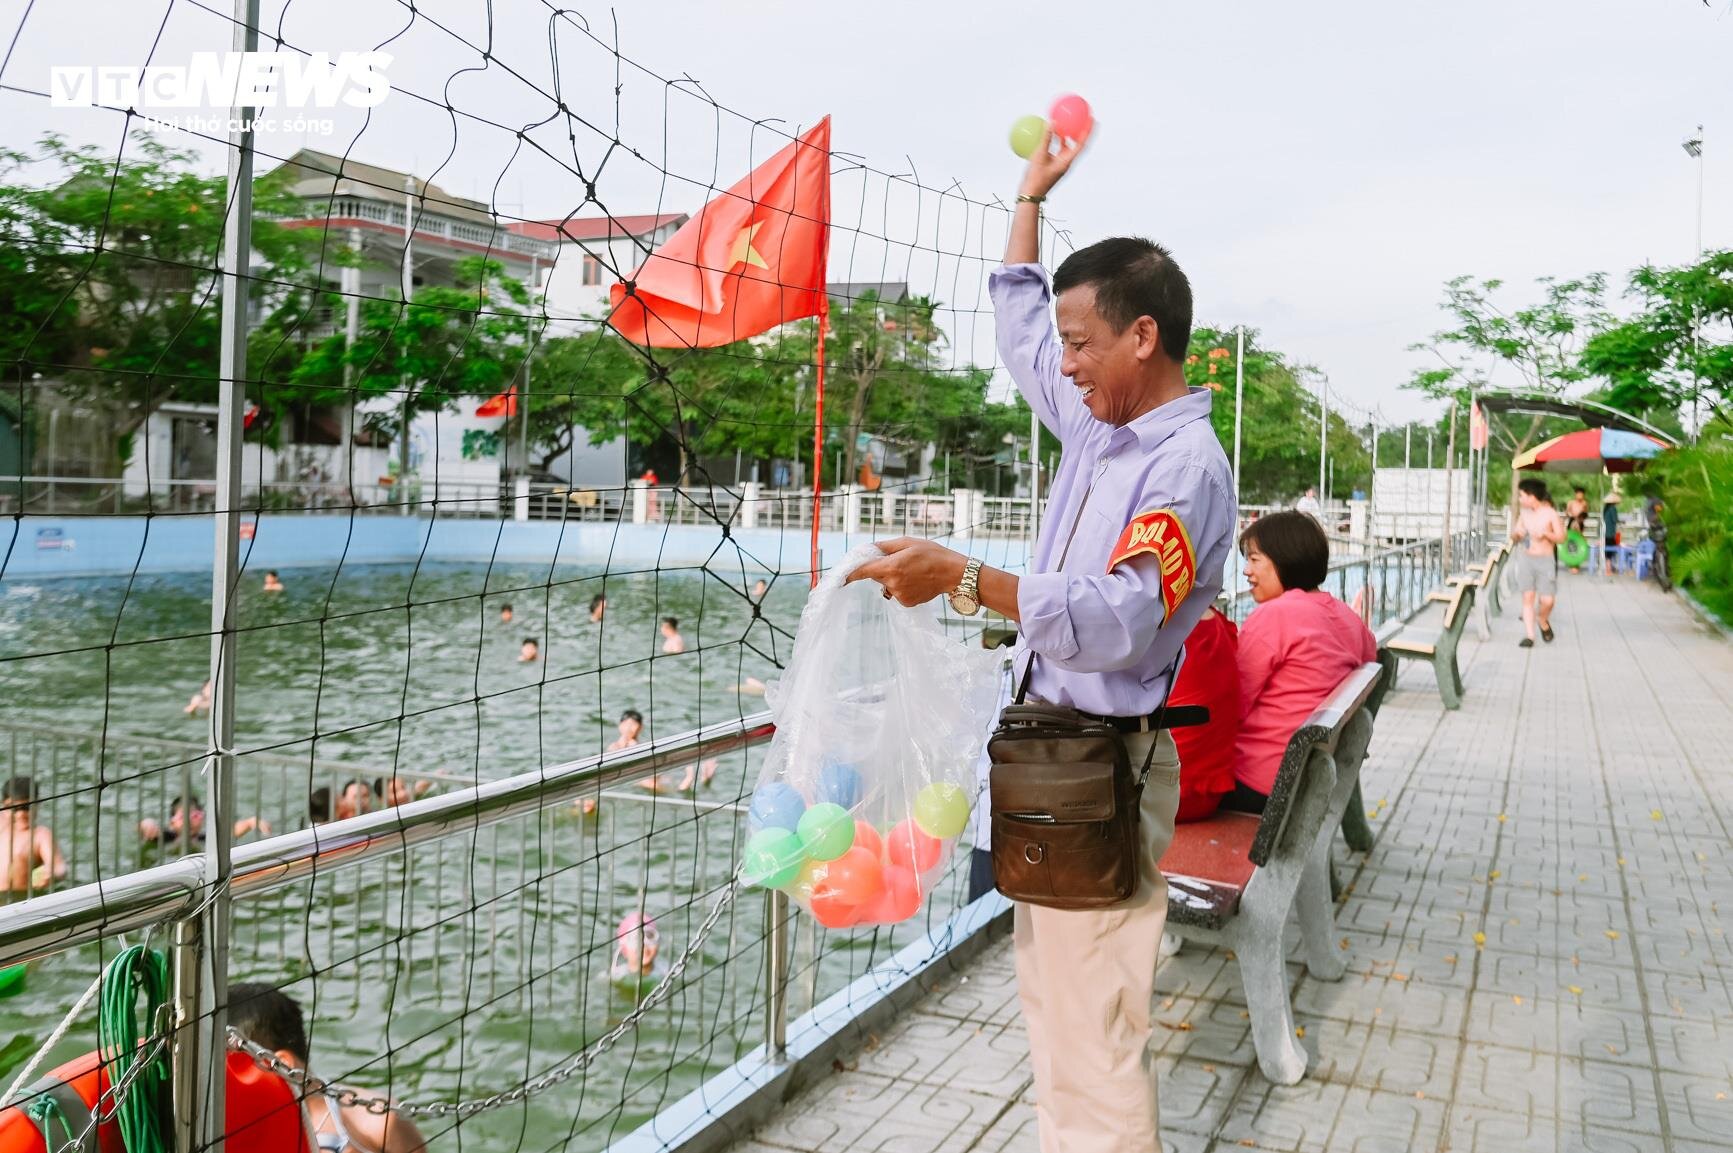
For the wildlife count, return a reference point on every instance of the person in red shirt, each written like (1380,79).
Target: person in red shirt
(1296,647)
(1209,676)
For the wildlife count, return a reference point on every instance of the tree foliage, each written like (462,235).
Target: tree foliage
(1674,353)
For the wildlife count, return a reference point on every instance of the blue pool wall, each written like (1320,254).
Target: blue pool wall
(37,547)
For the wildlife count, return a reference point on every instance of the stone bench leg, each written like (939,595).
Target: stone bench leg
(1317,911)
(1356,829)
(1265,978)
(1449,679)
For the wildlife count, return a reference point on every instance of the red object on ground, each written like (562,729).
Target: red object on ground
(1209,677)
(750,260)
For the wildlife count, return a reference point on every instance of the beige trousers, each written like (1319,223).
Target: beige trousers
(1087,980)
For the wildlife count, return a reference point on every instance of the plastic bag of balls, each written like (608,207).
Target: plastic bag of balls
(870,778)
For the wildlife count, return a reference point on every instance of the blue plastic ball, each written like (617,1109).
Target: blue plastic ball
(840,784)
(775,805)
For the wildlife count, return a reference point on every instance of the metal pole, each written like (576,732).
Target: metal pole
(1323,431)
(408,291)
(202,967)
(1696,314)
(1449,460)
(523,400)
(1239,405)
(1408,447)
(776,974)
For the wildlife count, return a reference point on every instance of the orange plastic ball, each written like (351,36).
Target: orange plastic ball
(832,912)
(866,837)
(854,878)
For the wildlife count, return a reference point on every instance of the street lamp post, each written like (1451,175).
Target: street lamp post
(1694,149)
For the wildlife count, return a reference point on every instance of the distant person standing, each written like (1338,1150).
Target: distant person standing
(1540,530)
(1577,519)
(1309,505)
(32,857)
(1609,530)
(672,641)
(651,480)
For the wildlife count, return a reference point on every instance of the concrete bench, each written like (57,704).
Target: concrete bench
(1356,826)
(1232,879)
(1435,643)
(1485,577)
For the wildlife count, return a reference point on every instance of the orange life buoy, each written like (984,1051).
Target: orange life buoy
(261,1109)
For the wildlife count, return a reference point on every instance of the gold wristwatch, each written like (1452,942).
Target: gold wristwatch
(966,600)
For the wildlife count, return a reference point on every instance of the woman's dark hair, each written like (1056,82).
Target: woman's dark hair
(632,715)
(1536,489)
(319,804)
(1133,277)
(598,599)
(1295,544)
(268,1017)
(531,641)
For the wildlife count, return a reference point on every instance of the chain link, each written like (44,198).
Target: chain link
(347,1098)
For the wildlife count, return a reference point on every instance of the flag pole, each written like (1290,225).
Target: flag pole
(818,432)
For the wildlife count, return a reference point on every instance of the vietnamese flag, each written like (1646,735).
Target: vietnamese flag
(751,259)
(500,404)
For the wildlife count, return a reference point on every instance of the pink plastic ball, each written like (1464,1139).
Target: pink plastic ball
(1070,117)
(831,911)
(899,898)
(913,849)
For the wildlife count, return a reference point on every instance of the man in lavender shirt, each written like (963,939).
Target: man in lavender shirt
(1139,530)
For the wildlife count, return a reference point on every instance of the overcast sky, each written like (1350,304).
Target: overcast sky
(1318,169)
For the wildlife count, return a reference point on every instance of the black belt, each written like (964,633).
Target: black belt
(1178,717)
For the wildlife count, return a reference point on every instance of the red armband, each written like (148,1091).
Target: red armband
(1161,533)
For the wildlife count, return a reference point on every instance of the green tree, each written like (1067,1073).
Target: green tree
(448,342)
(1542,342)
(1696,484)
(1673,355)
(109,274)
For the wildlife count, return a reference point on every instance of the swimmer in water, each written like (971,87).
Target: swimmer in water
(529,652)
(672,641)
(201,701)
(637,944)
(273,584)
(598,608)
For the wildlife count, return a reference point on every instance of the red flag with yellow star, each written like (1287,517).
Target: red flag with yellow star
(751,259)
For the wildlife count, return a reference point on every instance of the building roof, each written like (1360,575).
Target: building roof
(596,227)
(319,175)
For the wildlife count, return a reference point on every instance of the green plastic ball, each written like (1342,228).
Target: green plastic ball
(827,831)
(772,859)
(1026,134)
(942,810)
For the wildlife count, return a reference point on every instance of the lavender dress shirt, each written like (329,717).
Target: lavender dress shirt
(1100,641)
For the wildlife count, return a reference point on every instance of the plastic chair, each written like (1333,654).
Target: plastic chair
(1645,557)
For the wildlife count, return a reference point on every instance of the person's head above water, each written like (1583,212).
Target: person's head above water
(631,723)
(529,650)
(505,614)
(1124,311)
(271,1018)
(19,793)
(670,625)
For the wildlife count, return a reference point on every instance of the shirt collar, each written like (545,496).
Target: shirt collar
(1161,422)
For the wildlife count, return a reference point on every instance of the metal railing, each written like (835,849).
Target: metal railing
(486,905)
(1390,584)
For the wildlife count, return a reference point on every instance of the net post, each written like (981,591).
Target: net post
(776,973)
(202,952)
(184,1053)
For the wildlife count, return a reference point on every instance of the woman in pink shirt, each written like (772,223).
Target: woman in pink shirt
(1296,647)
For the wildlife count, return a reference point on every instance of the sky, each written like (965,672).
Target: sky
(1318,170)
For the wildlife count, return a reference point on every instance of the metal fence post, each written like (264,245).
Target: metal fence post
(776,973)
(202,950)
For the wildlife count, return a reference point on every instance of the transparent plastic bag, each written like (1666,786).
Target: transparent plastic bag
(870,779)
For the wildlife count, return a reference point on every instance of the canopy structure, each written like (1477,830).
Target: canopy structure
(1591,450)
(1591,413)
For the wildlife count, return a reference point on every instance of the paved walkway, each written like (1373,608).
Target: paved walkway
(1538,947)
